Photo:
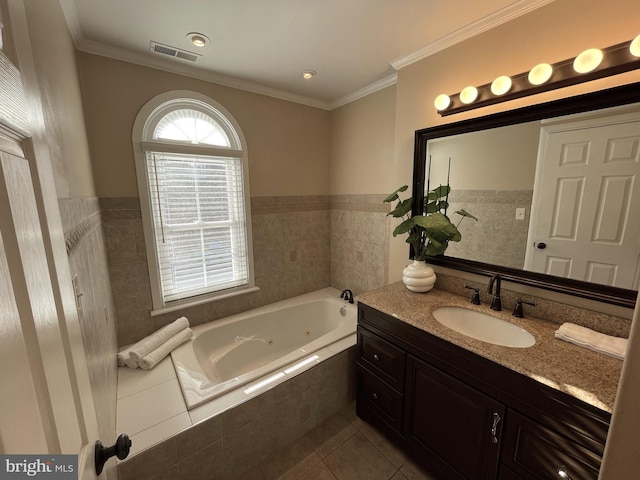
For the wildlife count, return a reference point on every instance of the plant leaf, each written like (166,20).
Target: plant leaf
(404,227)
(430,207)
(438,227)
(442,191)
(394,196)
(464,213)
(436,248)
(402,208)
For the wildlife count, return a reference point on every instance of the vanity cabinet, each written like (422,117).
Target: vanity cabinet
(466,417)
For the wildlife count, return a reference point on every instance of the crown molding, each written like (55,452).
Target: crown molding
(176,66)
(493,20)
(71,17)
(504,15)
(363,92)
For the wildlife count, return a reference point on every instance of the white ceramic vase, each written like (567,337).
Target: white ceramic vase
(418,276)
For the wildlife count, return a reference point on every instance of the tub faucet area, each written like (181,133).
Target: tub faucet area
(347,295)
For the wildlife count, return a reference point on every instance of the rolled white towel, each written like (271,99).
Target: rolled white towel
(124,360)
(122,356)
(131,363)
(152,358)
(153,341)
(598,342)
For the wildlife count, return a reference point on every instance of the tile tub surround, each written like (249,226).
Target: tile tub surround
(360,238)
(88,260)
(300,244)
(586,375)
(236,440)
(496,211)
(291,251)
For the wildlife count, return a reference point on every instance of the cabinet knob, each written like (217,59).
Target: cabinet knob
(562,473)
(375,396)
(376,357)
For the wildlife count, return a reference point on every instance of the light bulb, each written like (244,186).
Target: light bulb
(442,102)
(501,85)
(468,95)
(540,74)
(588,60)
(634,48)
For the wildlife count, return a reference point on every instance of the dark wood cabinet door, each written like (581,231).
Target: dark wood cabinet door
(451,424)
(537,453)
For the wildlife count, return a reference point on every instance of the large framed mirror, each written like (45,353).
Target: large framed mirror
(555,187)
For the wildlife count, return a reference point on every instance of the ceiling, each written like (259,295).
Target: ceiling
(355,46)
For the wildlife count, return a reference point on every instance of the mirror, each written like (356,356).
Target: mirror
(497,172)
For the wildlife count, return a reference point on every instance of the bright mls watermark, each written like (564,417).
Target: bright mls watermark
(50,467)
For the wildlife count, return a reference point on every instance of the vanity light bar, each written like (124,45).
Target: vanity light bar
(593,64)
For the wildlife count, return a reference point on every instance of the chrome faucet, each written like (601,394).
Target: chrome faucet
(347,295)
(496,303)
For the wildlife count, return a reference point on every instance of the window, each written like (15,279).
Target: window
(192,176)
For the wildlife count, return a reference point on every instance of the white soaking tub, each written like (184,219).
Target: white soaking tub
(264,346)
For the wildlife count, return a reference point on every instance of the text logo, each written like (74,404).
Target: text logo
(50,467)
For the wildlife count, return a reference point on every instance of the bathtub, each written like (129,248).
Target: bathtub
(260,348)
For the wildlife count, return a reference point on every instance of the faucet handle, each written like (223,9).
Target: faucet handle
(518,311)
(476,294)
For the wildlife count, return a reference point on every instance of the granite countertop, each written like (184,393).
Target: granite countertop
(587,375)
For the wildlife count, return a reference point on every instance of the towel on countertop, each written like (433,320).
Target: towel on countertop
(152,358)
(587,338)
(148,344)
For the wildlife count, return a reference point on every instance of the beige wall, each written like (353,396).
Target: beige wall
(55,61)
(496,159)
(287,142)
(362,134)
(551,33)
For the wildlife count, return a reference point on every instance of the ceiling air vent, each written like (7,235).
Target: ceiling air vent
(172,51)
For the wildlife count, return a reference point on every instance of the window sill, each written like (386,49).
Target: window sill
(202,300)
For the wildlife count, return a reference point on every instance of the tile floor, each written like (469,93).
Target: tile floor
(343,447)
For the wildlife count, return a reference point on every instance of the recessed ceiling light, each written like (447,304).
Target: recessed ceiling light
(308,74)
(198,39)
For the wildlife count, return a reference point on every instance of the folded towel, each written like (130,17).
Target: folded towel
(153,341)
(598,342)
(151,359)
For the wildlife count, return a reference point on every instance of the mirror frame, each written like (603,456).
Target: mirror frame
(612,97)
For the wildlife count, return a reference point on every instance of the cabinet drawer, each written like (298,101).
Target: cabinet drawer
(382,358)
(377,397)
(535,452)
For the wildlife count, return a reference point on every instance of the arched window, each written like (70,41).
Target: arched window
(193,180)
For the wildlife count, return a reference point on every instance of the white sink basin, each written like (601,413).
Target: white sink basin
(483,327)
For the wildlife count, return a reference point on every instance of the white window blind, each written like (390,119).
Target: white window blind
(197,208)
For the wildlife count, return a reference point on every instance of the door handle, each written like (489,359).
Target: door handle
(541,245)
(494,427)
(120,449)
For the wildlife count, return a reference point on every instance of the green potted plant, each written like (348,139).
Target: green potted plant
(428,234)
